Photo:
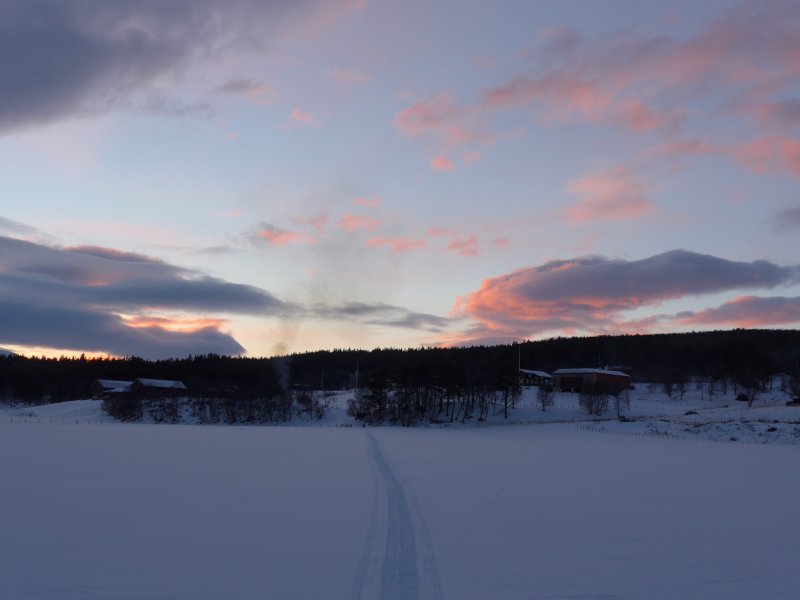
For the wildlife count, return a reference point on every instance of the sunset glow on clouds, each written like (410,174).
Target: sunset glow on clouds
(610,196)
(592,295)
(273,172)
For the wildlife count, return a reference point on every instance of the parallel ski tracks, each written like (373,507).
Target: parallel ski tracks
(398,561)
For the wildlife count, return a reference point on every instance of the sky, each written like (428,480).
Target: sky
(265,177)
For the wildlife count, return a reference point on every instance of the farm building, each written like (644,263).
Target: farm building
(529,377)
(576,380)
(157,388)
(139,388)
(103,387)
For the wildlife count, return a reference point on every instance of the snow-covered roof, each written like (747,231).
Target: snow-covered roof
(111,384)
(585,371)
(162,383)
(118,390)
(536,373)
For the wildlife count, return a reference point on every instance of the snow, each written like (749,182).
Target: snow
(82,410)
(556,506)
(140,511)
(536,373)
(114,383)
(583,371)
(162,383)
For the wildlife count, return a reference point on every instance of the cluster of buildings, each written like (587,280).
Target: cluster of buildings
(138,388)
(562,380)
(576,380)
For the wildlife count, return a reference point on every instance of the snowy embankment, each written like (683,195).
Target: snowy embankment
(649,412)
(116,511)
(83,411)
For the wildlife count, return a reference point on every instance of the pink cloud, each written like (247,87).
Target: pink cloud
(568,94)
(471,156)
(608,196)
(442,163)
(438,231)
(748,311)
(443,122)
(397,244)
(344,77)
(592,294)
(464,246)
(352,223)
(743,65)
(188,325)
(374,202)
(501,242)
(324,15)
(318,221)
(639,117)
(770,153)
(686,147)
(276,236)
(745,62)
(779,114)
(300,118)
(576,97)
(437,115)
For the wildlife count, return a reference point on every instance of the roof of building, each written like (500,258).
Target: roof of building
(162,383)
(111,384)
(536,373)
(586,371)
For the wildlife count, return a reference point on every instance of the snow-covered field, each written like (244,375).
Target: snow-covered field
(98,510)
(649,412)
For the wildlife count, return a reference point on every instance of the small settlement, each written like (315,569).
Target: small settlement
(138,388)
(576,380)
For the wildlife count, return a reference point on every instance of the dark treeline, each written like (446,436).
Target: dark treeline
(411,385)
(652,358)
(36,380)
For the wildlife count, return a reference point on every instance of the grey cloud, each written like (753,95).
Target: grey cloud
(672,274)
(383,315)
(89,330)
(112,254)
(82,57)
(239,85)
(216,250)
(71,298)
(750,311)
(591,294)
(9,226)
(787,221)
(206,294)
(78,265)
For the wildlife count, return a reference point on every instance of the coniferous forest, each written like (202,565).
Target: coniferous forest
(409,385)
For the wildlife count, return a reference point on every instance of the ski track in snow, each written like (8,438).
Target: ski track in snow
(407,569)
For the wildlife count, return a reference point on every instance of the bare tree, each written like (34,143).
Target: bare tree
(622,398)
(594,400)
(545,396)
(751,383)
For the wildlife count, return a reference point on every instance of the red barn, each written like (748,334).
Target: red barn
(576,380)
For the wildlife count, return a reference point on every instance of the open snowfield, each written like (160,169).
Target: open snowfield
(96,510)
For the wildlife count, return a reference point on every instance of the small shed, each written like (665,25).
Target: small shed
(104,387)
(530,377)
(157,388)
(576,380)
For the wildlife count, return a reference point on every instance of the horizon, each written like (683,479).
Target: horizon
(89,357)
(257,180)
